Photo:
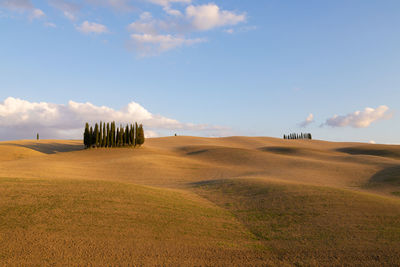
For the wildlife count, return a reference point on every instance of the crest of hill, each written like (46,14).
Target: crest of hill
(177,161)
(200,201)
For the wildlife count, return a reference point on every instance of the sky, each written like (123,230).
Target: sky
(203,68)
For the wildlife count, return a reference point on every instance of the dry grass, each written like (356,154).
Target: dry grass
(312,225)
(200,201)
(72,222)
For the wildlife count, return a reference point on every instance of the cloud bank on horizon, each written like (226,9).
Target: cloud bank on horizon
(360,119)
(357,119)
(180,23)
(21,119)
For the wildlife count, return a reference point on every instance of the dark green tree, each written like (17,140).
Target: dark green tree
(136,133)
(108,135)
(112,134)
(117,138)
(86,136)
(100,134)
(127,135)
(132,132)
(121,135)
(140,136)
(96,135)
(103,142)
(90,136)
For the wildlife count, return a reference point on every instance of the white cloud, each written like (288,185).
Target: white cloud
(152,36)
(146,24)
(37,14)
(206,17)
(120,5)
(372,142)
(152,44)
(359,119)
(22,119)
(23,6)
(92,27)
(146,16)
(50,25)
(149,25)
(70,10)
(169,2)
(308,121)
(172,12)
(69,15)
(17,4)
(230,31)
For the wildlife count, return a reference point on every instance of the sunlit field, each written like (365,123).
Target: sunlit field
(200,201)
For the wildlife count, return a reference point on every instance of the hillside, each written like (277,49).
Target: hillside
(200,201)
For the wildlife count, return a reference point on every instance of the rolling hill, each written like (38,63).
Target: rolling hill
(200,201)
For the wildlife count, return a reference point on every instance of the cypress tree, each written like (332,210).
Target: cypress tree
(90,136)
(140,140)
(117,138)
(112,134)
(96,135)
(103,142)
(136,133)
(101,135)
(132,135)
(108,135)
(115,134)
(121,135)
(127,135)
(86,136)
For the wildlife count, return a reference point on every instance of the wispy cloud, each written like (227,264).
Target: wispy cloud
(153,44)
(181,23)
(92,27)
(69,9)
(17,4)
(37,14)
(207,17)
(359,119)
(120,5)
(24,7)
(307,121)
(21,119)
(153,36)
(50,25)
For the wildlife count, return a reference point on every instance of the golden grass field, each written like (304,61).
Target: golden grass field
(190,201)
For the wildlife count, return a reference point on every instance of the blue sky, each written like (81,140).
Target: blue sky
(205,68)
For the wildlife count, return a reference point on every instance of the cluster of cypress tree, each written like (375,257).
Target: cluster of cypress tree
(108,135)
(297,136)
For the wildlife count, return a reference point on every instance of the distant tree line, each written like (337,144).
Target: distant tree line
(109,135)
(297,136)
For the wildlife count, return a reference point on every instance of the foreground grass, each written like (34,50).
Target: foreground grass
(309,225)
(75,222)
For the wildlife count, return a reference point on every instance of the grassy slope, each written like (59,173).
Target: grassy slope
(307,225)
(101,223)
(264,201)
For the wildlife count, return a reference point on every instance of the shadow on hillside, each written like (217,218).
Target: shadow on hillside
(51,148)
(370,151)
(197,152)
(390,175)
(280,150)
